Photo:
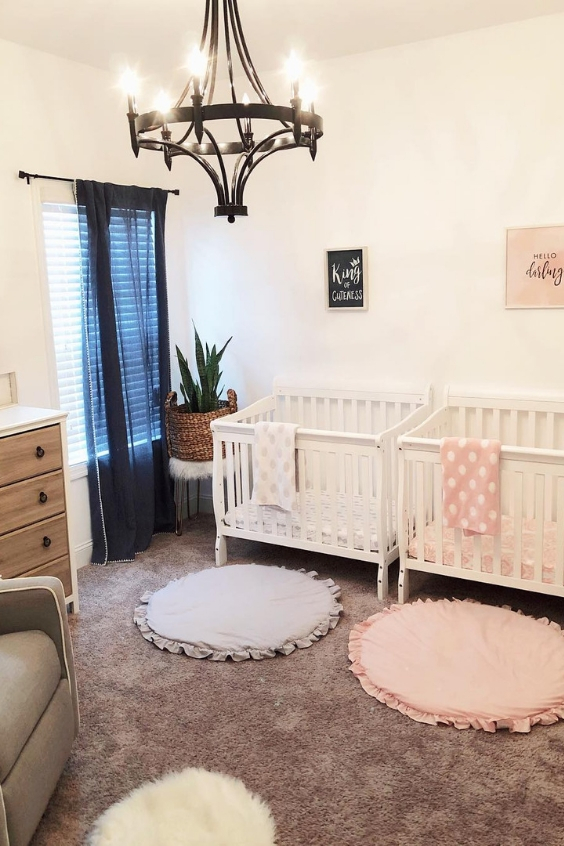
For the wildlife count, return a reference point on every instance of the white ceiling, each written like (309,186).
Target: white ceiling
(157,33)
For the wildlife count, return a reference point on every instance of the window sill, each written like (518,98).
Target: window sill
(78,471)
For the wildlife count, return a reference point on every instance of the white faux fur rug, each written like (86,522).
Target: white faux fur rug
(191,808)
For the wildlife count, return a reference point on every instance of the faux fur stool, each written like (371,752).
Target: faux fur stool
(191,808)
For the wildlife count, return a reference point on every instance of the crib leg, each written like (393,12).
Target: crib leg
(403,584)
(220,551)
(383,581)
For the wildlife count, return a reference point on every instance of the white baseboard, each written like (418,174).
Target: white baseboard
(83,554)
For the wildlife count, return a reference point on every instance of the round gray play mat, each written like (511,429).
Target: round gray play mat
(240,611)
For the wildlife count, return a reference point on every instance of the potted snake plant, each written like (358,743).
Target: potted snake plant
(188,432)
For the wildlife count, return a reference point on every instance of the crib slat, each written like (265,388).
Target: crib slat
(327,413)
(230,477)
(354,415)
(550,480)
(517,523)
(420,509)
(237,448)
(349,497)
(317,496)
(332,494)
(397,412)
(477,553)
(532,429)
(313,402)
(368,407)
(300,419)
(302,487)
(497,554)
(479,432)
(438,512)
(539,525)
(496,427)
(383,421)
(559,565)
(388,465)
(246,494)
(364,470)
(513,439)
(462,420)
(340,415)
(458,548)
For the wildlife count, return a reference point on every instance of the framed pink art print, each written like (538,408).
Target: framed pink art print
(535,267)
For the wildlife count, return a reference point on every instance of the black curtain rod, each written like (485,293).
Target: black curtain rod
(29,176)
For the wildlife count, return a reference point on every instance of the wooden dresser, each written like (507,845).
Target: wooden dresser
(34,484)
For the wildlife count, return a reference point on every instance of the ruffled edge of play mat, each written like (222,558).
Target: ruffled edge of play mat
(204,651)
(545,718)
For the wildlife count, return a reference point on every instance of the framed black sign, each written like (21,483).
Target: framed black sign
(346,280)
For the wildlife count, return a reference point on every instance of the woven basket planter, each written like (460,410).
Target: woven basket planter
(188,435)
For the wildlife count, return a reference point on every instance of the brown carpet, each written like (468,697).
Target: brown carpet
(336,767)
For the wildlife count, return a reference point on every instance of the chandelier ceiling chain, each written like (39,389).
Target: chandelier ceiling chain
(298,124)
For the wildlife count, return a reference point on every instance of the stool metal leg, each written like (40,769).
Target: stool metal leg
(178,497)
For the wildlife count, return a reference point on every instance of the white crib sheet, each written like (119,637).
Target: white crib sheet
(274,520)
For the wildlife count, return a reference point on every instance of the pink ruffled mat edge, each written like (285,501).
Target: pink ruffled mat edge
(388,698)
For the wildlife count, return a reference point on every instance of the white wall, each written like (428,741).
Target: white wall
(431,151)
(65,119)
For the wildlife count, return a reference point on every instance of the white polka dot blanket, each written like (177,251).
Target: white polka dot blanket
(274,465)
(470,468)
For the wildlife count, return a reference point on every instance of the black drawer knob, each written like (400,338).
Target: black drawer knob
(43,497)
(46,541)
(40,452)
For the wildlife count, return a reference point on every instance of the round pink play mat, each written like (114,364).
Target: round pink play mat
(463,664)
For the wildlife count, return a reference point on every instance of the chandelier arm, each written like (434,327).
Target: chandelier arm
(244,54)
(202,45)
(186,134)
(220,162)
(255,164)
(219,189)
(230,68)
(249,158)
(236,173)
(211,71)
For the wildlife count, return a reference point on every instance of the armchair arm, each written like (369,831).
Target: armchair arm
(38,603)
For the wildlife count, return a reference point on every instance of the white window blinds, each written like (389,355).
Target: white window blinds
(62,257)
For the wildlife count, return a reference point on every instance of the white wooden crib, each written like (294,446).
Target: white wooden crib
(529,552)
(347,473)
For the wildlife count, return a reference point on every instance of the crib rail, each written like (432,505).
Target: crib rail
(366,412)
(533,423)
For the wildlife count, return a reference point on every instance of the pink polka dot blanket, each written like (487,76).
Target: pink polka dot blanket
(470,468)
(462,664)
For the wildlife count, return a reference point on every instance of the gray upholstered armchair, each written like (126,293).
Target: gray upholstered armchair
(38,702)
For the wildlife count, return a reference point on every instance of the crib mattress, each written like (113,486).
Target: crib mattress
(507,549)
(274,520)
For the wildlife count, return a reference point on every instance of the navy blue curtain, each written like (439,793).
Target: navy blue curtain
(127,363)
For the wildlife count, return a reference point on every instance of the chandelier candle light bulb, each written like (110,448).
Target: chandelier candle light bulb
(294,71)
(291,127)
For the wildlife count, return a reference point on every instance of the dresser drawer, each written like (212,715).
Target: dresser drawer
(30,454)
(60,569)
(28,502)
(28,549)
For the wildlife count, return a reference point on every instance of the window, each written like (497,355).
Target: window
(62,257)
(136,316)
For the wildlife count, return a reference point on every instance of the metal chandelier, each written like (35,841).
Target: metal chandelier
(296,125)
